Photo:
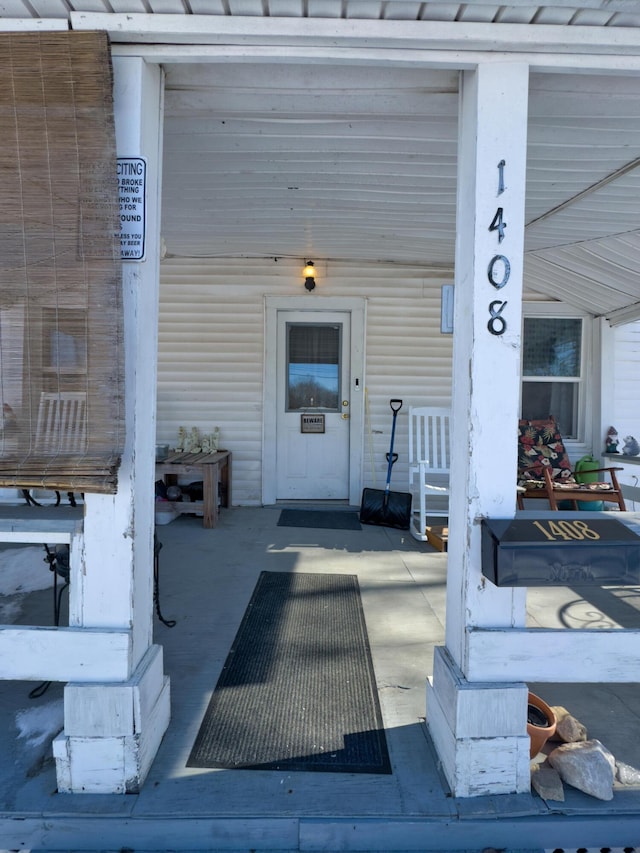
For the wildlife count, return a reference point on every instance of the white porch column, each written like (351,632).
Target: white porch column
(479,729)
(113,730)
(605,381)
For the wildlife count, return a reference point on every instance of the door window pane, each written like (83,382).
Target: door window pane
(313,366)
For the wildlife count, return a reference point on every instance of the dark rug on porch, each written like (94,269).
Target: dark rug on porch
(327,519)
(297,691)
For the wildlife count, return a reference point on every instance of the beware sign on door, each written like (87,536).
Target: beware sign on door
(311,423)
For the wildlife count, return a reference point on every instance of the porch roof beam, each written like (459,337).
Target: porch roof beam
(629,314)
(409,58)
(18,25)
(320,32)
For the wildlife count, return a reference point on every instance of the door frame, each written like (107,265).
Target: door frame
(354,306)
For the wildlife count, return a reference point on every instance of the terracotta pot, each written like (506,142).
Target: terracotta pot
(543,723)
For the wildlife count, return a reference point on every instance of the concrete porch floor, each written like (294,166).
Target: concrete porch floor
(206,580)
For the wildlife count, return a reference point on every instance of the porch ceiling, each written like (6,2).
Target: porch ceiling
(354,162)
(360,163)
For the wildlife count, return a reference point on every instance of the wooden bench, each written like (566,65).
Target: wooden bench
(214,469)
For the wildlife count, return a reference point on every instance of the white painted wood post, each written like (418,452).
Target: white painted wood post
(479,729)
(605,381)
(113,730)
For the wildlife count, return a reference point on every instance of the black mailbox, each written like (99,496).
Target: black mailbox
(561,551)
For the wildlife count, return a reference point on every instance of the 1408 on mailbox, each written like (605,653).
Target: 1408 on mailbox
(579,550)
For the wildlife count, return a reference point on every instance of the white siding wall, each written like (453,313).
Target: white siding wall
(626,406)
(407,358)
(211,346)
(211,350)
(627,381)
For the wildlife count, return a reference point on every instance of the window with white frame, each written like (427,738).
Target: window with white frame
(552,372)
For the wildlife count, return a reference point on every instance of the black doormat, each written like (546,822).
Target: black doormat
(326,519)
(297,691)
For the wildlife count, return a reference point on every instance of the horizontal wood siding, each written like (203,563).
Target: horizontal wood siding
(626,373)
(211,350)
(409,359)
(211,346)
(210,362)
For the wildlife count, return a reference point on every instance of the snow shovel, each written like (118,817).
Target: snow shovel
(382,506)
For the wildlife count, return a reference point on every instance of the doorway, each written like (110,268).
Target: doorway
(313,399)
(314,389)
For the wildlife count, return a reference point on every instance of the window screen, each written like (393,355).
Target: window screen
(551,367)
(61,346)
(551,347)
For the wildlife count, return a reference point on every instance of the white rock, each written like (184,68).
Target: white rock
(626,774)
(587,766)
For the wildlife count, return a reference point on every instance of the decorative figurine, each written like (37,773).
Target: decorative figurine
(631,446)
(182,438)
(611,441)
(192,441)
(210,442)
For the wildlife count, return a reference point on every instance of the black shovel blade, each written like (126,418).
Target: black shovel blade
(386,509)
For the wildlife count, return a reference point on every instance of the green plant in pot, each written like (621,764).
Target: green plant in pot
(541,723)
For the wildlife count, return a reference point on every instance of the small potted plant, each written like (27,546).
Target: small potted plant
(541,723)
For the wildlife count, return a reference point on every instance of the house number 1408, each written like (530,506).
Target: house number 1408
(566,530)
(499,268)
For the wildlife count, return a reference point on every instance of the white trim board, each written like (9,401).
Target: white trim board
(553,655)
(438,35)
(29,653)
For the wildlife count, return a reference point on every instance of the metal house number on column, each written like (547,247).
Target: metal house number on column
(499,268)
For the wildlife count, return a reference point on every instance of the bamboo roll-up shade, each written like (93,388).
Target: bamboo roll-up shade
(61,338)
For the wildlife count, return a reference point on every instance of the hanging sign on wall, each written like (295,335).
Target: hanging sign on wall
(132,181)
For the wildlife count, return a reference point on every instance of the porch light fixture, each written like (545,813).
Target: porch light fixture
(309,273)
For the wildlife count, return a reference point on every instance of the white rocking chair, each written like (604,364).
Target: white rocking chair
(429,463)
(61,429)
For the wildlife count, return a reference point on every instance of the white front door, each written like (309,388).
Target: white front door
(313,405)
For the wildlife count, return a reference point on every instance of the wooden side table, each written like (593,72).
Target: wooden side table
(214,469)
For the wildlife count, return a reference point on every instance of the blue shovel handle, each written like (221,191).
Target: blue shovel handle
(396,405)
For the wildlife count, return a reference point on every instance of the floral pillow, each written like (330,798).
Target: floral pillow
(540,446)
